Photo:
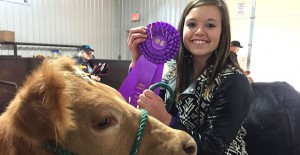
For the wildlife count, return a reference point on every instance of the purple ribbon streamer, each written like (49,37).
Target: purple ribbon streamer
(141,77)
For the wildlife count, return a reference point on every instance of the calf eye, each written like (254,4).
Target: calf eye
(103,123)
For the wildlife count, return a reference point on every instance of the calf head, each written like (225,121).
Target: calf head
(60,106)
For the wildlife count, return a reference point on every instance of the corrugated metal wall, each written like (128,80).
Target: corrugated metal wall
(103,24)
(72,22)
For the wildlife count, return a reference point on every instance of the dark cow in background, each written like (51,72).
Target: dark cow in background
(273,121)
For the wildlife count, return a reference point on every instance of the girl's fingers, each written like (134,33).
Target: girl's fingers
(136,33)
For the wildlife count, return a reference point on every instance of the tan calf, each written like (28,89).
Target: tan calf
(61,107)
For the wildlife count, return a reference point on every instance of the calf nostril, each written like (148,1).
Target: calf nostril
(190,147)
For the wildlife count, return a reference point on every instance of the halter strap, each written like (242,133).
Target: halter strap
(56,149)
(140,132)
(61,151)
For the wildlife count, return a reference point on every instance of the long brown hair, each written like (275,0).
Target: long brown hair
(219,59)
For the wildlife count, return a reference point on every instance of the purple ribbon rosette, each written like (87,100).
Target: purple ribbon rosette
(161,45)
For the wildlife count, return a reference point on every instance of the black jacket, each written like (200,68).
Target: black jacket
(215,122)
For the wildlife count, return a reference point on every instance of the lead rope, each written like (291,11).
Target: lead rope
(170,102)
(140,132)
(144,115)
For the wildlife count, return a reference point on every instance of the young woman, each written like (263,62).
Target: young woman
(212,93)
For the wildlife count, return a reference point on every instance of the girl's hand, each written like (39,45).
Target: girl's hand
(155,106)
(136,36)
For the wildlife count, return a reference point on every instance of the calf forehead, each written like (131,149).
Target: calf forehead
(96,86)
(89,91)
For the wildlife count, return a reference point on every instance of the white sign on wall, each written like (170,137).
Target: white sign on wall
(241,8)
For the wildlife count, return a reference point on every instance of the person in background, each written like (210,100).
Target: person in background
(207,80)
(235,47)
(84,60)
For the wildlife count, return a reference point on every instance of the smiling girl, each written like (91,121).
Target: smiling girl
(212,93)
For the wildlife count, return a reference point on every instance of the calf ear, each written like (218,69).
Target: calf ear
(42,106)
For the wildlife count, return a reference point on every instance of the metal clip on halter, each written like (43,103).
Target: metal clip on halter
(170,102)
